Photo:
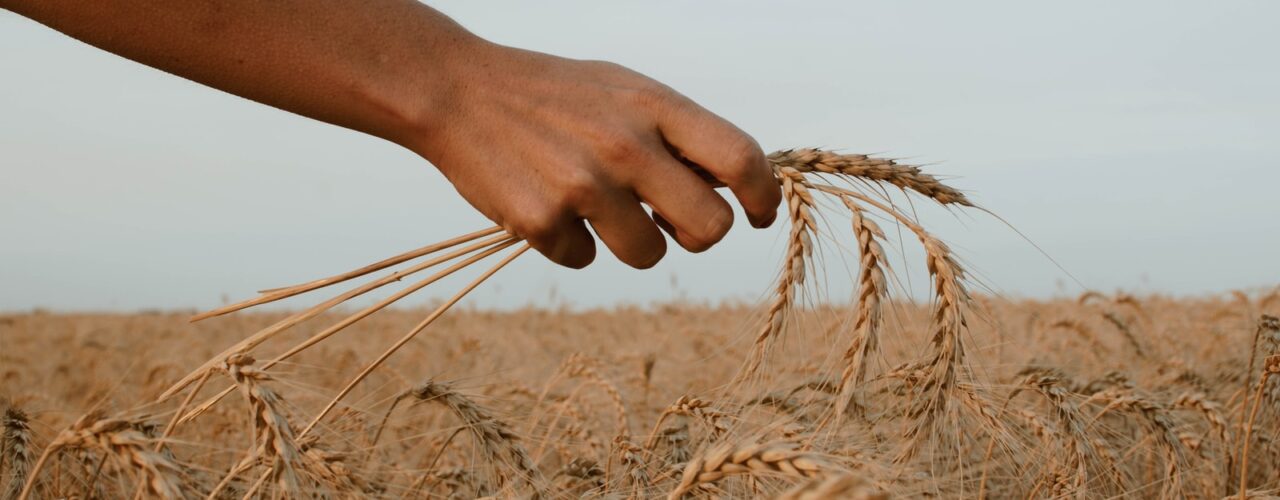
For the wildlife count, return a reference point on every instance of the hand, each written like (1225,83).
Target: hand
(540,143)
(537,143)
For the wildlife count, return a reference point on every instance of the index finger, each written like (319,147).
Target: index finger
(726,152)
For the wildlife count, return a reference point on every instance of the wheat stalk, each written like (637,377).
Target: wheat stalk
(793,169)
(493,245)
(275,294)
(1270,368)
(411,334)
(790,166)
(382,358)
(1266,340)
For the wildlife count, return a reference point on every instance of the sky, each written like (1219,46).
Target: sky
(1129,146)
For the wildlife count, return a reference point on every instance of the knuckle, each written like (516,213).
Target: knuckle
(743,157)
(578,189)
(537,225)
(620,149)
(654,95)
(608,66)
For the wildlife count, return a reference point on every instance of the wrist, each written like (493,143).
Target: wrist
(438,81)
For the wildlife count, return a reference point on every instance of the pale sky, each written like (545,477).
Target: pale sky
(1137,143)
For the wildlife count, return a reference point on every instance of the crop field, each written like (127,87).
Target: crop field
(961,395)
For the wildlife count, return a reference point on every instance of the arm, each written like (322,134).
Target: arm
(537,143)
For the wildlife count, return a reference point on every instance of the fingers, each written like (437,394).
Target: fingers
(622,224)
(684,204)
(727,153)
(556,227)
(673,171)
(563,240)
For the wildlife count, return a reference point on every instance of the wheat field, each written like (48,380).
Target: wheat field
(961,395)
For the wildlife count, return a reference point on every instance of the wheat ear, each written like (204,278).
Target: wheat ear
(494,437)
(118,440)
(715,420)
(800,207)
(749,457)
(1212,412)
(275,442)
(1155,417)
(17,451)
(872,291)
(842,486)
(633,468)
(863,167)
(948,323)
(1079,449)
(580,366)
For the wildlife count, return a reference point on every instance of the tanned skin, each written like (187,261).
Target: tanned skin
(540,144)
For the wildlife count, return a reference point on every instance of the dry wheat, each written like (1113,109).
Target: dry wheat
(751,458)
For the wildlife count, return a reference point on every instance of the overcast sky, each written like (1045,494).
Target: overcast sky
(1137,143)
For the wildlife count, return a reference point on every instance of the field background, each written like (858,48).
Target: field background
(1184,358)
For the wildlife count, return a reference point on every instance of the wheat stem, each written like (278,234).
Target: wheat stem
(294,319)
(410,335)
(281,293)
(352,319)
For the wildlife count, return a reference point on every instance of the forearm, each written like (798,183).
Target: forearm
(378,66)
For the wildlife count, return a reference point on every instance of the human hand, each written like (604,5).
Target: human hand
(540,144)
(537,143)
